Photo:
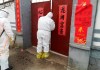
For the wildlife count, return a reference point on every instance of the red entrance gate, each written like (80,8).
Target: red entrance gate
(59,40)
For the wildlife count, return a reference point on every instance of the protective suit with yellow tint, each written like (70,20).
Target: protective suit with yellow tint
(6,35)
(45,26)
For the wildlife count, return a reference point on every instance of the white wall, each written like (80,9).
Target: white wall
(97,25)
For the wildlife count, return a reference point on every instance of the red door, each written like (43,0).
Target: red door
(36,10)
(60,43)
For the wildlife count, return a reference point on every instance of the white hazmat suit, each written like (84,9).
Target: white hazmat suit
(45,26)
(5,39)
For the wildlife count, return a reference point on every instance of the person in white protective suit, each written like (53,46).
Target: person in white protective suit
(6,36)
(45,26)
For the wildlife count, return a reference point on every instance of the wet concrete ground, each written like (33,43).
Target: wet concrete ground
(27,61)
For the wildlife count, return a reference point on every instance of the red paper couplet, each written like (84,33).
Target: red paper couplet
(62,19)
(40,12)
(80,34)
(83,1)
(83,17)
(18,20)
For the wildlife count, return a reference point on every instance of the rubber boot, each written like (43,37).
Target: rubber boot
(45,55)
(39,55)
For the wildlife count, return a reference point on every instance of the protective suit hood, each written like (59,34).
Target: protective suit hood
(3,14)
(50,15)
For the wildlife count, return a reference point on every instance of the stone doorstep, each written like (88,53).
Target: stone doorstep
(53,57)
